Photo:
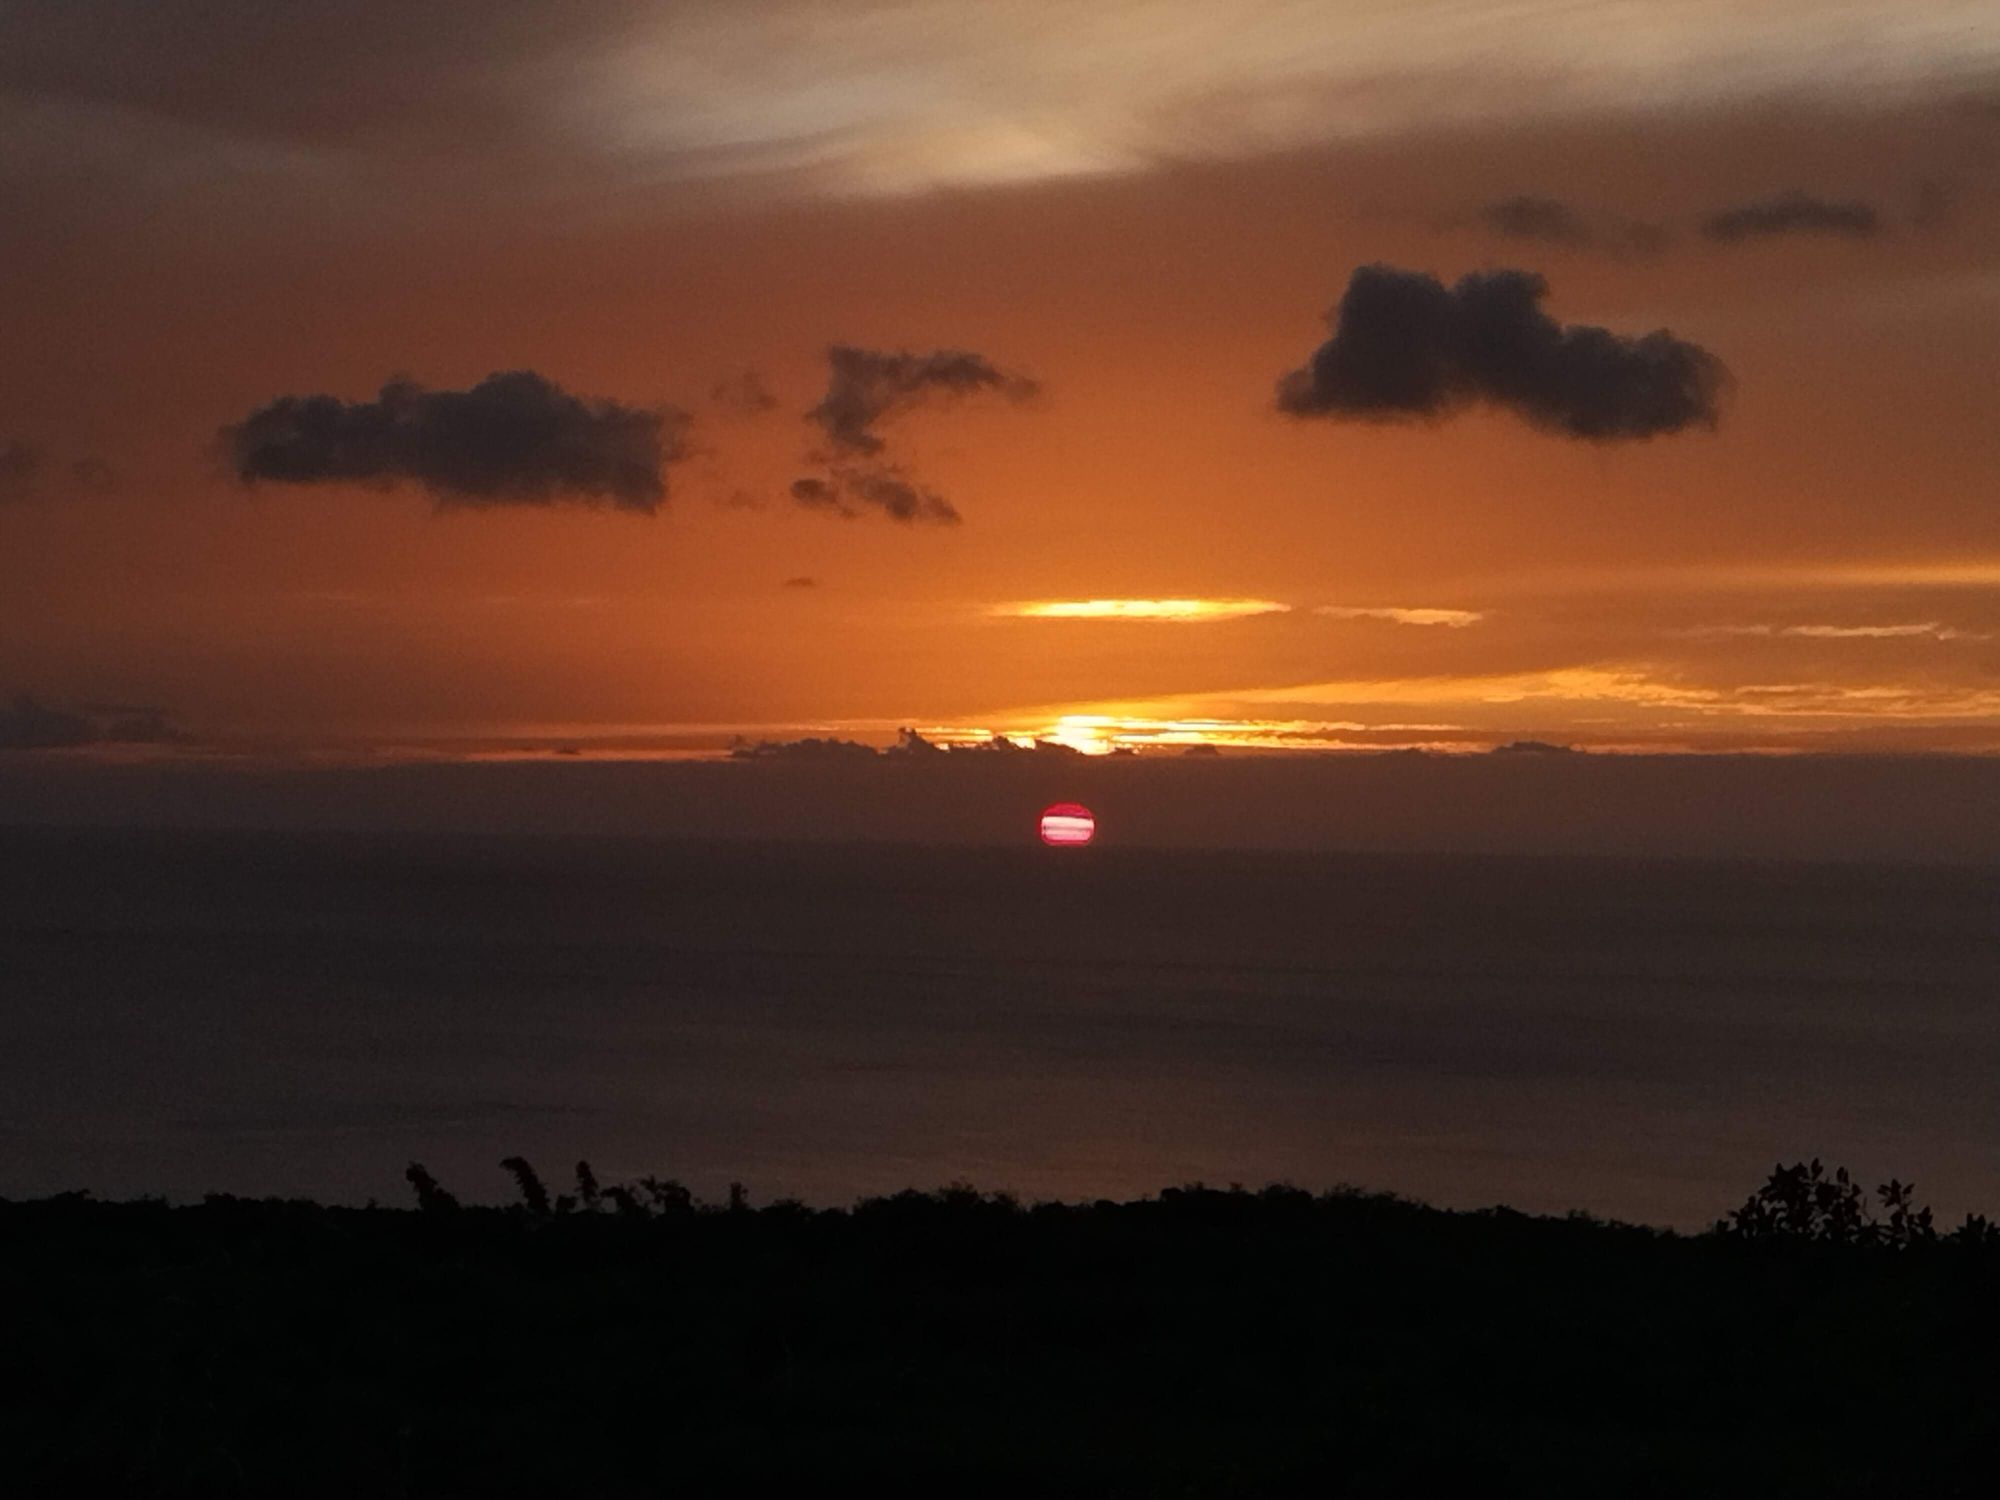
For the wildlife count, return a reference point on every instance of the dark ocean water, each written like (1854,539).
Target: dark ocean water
(295,1014)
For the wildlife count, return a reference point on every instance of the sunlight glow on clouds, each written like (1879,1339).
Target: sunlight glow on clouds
(1100,734)
(1640,687)
(1638,705)
(873,97)
(1453,619)
(1182,610)
(1926,629)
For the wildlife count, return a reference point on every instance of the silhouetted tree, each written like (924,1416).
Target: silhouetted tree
(1978,1230)
(587,1189)
(1801,1202)
(431,1196)
(626,1202)
(533,1194)
(1907,1224)
(667,1195)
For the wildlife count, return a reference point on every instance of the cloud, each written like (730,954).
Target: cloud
(866,385)
(801,582)
(1406,346)
(515,438)
(951,95)
(94,475)
(1452,619)
(1791,213)
(1932,204)
(1918,630)
(26,724)
(864,98)
(743,394)
(1876,632)
(27,470)
(20,463)
(1551,221)
(1530,218)
(849,491)
(812,748)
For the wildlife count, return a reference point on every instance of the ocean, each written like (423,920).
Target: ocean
(303,1014)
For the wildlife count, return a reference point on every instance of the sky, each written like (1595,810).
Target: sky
(1132,373)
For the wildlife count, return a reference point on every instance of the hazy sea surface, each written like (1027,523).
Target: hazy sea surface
(300,1014)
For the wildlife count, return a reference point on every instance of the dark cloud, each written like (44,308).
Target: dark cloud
(1551,221)
(1528,218)
(866,385)
(849,491)
(26,470)
(516,438)
(811,748)
(1406,346)
(1791,213)
(360,73)
(125,724)
(909,745)
(743,394)
(94,475)
(19,464)
(863,387)
(802,583)
(26,724)
(1932,206)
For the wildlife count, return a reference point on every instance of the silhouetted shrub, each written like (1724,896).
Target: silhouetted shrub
(1203,1341)
(1802,1203)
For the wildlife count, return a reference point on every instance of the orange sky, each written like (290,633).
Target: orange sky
(206,221)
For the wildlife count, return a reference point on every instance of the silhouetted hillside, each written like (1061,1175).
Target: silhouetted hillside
(625,1340)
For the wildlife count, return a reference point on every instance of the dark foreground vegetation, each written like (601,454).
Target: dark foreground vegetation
(626,1340)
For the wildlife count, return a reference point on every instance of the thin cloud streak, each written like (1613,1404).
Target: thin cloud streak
(1633,695)
(1451,619)
(1792,213)
(1733,578)
(1931,629)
